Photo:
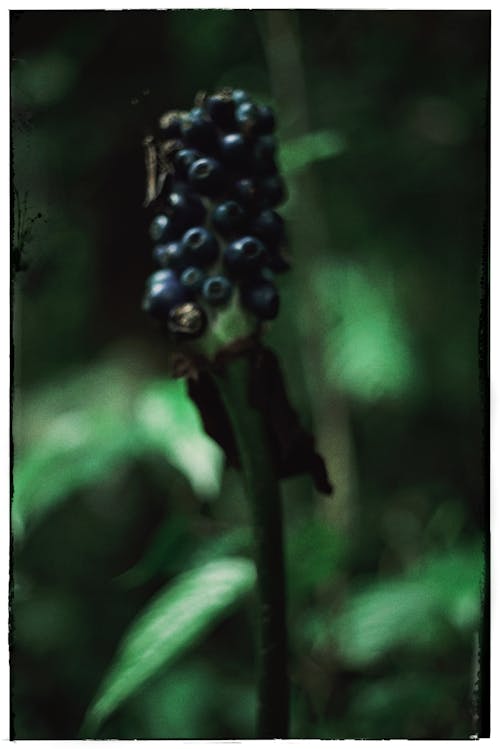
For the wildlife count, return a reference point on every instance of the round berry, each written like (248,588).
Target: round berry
(244,256)
(235,150)
(247,115)
(160,277)
(183,159)
(206,176)
(273,191)
(186,209)
(192,278)
(270,227)
(265,121)
(162,296)
(246,191)
(217,290)
(265,147)
(228,218)
(221,110)
(161,228)
(199,131)
(262,299)
(200,246)
(171,255)
(239,96)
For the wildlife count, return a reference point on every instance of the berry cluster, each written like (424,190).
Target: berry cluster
(217,239)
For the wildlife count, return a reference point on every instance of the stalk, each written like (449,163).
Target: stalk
(263,493)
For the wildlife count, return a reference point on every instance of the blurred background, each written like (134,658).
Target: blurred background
(124,511)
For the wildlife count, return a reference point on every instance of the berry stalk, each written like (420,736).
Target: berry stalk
(263,493)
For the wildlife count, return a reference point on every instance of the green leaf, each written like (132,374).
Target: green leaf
(300,152)
(424,609)
(419,609)
(171,423)
(171,623)
(74,433)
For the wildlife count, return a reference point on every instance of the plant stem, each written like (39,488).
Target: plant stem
(263,492)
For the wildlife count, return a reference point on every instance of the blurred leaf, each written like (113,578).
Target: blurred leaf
(314,551)
(419,610)
(73,434)
(172,424)
(367,351)
(172,622)
(297,154)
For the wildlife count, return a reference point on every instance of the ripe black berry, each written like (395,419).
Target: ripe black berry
(171,255)
(192,278)
(217,290)
(228,218)
(183,159)
(199,131)
(201,246)
(162,296)
(262,299)
(269,226)
(159,277)
(186,209)
(265,121)
(235,150)
(162,228)
(272,191)
(247,115)
(239,96)
(246,191)
(206,176)
(221,110)
(244,256)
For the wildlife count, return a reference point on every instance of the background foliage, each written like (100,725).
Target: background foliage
(132,581)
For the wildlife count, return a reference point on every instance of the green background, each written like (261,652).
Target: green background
(383,126)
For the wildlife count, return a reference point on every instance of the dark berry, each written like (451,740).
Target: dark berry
(262,299)
(206,176)
(228,218)
(186,209)
(171,255)
(263,155)
(272,191)
(183,159)
(192,278)
(247,115)
(246,191)
(163,295)
(265,123)
(199,131)
(245,255)
(162,228)
(217,290)
(270,227)
(235,150)
(221,110)
(239,96)
(201,246)
(160,277)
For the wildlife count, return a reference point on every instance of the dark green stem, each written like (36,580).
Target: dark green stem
(263,492)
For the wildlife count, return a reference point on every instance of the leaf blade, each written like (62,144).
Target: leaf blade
(175,619)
